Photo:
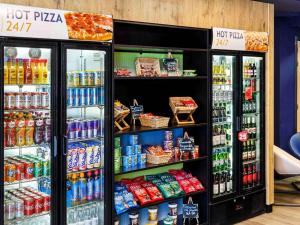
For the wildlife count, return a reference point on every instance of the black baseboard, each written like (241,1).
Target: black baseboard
(269,208)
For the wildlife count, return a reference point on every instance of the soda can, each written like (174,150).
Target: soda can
(70,79)
(9,100)
(83,79)
(87,96)
(75,160)
(128,150)
(97,78)
(101,93)
(76,81)
(10,210)
(69,97)
(27,100)
(90,128)
(47,202)
(90,156)
(75,97)
(91,78)
(137,149)
(45,101)
(19,208)
(19,100)
(84,129)
(117,164)
(73,128)
(96,128)
(37,168)
(28,170)
(133,140)
(45,167)
(29,206)
(70,159)
(82,158)
(82,96)
(19,170)
(93,96)
(79,126)
(10,172)
(35,100)
(97,156)
(102,155)
(38,204)
(118,152)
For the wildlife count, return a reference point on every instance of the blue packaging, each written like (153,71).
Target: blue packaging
(69,97)
(93,96)
(133,140)
(142,158)
(134,159)
(137,149)
(126,161)
(87,96)
(128,150)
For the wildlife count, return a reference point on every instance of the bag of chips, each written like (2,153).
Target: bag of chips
(120,204)
(176,187)
(142,196)
(129,199)
(196,183)
(186,186)
(151,177)
(166,190)
(153,192)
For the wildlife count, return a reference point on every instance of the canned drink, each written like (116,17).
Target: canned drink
(87,96)
(117,164)
(75,160)
(101,93)
(91,78)
(10,210)
(10,172)
(38,204)
(128,150)
(19,171)
(45,101)
(37,168)
(137,149)
(118,152)
(82,99)
(28,170)
(35,100)
(84,129)
(19,100)
(134,159)
(75,97)
(90,156)
(19,208)
(126,161)
(83,79)
(142,159)
(69,97)
(93,96)
(76,81)
(168,135)
(70,79)
(9,100)
(96,128)
(73,129)
(29,206)
(47,202)
(90,128)
(45,167)
(133,140)
(97,156)
(97,78)
(82,158)
(27,100)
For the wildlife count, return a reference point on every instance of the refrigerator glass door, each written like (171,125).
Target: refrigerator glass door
(251,119)
(27,135)
(85,136)
(222,127)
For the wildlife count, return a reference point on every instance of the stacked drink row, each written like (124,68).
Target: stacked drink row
(85,96)
(85,128)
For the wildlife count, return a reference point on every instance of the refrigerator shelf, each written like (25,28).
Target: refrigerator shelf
(24,181)
(221,123)
(84,139)
(84,171)
(26,110)
(222,195)
(251,114)
(44,145)
(226,146)
(86,86)
(86,204)
(163,201)
(151,166)
(250,161)
(27,85)
(14,221)
(251,78)
(85,106)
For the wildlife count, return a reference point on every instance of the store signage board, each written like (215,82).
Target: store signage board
(33,22)
(239,40)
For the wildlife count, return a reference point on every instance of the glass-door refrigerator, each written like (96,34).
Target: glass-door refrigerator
(28,132)
(223,126)
(252,121)
(85,127)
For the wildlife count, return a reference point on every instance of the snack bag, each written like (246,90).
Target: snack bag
(142,196)
(166,190)
(153,192)
(176,187)
(166,177)
(196,183)
(129,199)
(151,177)
(120,205)
(186,186)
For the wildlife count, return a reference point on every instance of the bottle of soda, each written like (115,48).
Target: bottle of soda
(29,129)
(27,72)
(90,187)
(75,190)
(82,188)
(39,129)
(12,71)
(11,131)
(20,71)
(97,184)
(216,190)
(20,130)
(6,79)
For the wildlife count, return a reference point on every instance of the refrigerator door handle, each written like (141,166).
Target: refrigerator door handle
(65,145)
(238,125)
(55,146)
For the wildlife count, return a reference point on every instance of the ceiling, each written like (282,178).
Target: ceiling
(283,7)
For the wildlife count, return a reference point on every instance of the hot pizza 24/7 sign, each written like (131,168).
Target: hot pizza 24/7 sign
(33,22)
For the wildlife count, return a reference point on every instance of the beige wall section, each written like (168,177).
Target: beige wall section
(237,14)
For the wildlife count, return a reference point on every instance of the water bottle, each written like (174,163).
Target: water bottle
(94,214)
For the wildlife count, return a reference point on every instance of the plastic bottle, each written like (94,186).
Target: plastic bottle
(34,71)
(12,72)
(97,184)
(20,130)
(69,192)
(27,72)
(6,79)
(39,129)
(29,129)
(75,190)
(45,72)
(11,131)
(82,188)
(20,71)
(40,66)
(90,187)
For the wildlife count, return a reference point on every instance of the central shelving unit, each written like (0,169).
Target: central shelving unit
(190,47)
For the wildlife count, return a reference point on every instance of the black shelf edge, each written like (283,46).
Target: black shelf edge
(153,166)
(161,78)
(155,49)
(147,129)
(160,202)
(180,221)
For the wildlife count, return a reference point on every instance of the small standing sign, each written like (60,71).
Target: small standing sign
(136,111)
(190,211)
(186,143)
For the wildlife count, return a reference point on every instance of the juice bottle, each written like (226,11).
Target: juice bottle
(12,71)
(39,129)
(20,130)
(82,188)
(40,66)
(5,71)
(20,71)
(45,72)
(90,187)
(29,129)
(69,192)
(35,71)
(11,131)
(75,190)
(27,72)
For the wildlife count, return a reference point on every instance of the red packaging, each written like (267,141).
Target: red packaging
(196,183)
(11,131)
(38,204)
(186,186)
(139,193)
(47,202)
(19,171)
(28,170)
(29,206)
(153,192)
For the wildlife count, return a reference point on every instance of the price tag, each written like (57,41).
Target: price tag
(243,136)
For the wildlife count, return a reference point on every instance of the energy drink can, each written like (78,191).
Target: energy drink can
(93,96)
